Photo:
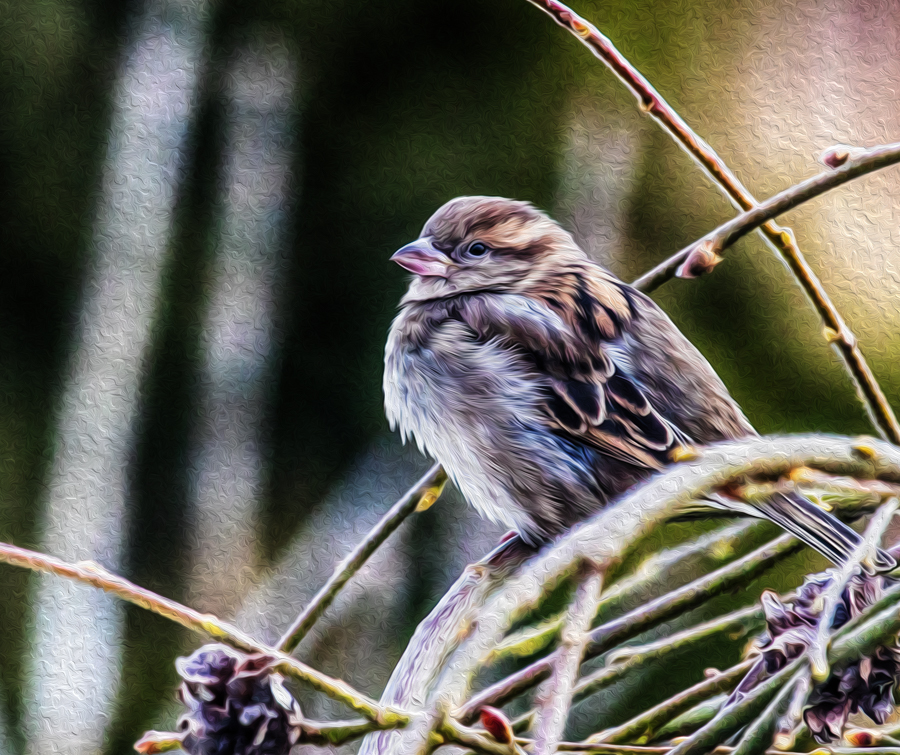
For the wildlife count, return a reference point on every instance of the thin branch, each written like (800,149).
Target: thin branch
(633,623)
(630,658)
(606,538)
(789,726)
(452,732)
(554,699)
(831,598)
(715,242)
(733,717)
(758,735)
(655,575)
(437,637)
(642,728)
(844,487)
(321,733)
(610,634)
(862,640)
(890,598)
(612,749)
(333,733)
(528,641)
(669,569)
(780,239)
(422,495)
(203,623)
(739,572)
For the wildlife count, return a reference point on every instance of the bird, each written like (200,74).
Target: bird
(546,386)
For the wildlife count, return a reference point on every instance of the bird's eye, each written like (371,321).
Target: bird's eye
(477,249)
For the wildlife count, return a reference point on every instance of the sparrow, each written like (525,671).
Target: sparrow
(545,386)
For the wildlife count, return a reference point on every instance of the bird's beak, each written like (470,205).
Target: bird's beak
(422,258)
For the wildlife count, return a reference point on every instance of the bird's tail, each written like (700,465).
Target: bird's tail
(817,528)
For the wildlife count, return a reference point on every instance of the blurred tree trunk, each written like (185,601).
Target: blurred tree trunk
(242,335)
(77,641)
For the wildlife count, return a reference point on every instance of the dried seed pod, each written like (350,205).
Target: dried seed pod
(237,705)
(864,685)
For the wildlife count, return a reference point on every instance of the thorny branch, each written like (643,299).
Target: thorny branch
(780,239)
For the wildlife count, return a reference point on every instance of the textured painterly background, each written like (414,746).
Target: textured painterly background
(197,204)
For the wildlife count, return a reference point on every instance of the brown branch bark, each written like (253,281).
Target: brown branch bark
(95,575)
(779,239)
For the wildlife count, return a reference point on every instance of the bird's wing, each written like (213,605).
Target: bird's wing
(589,398)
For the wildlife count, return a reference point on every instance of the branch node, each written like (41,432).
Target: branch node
(839,154)
(864,449)
(700,260)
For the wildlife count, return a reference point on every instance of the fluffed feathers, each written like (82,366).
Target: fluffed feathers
(543,384)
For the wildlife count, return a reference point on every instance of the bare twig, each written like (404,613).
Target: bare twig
(460,646)
(660,570)
(529,641)
(642,728)
(844,486)
(780,239)
(639,620)
(424,493)
(613,749)
(715,242)
(738,572)
(818,650)
(555,697)
(95,575)
(435,639)
(733,717)
(611,531)
(757,737)
(631,658)
(663,571)
(451,731)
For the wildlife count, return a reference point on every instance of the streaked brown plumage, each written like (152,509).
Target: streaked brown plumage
(544,384)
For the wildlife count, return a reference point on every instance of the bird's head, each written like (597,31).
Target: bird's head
(484,244)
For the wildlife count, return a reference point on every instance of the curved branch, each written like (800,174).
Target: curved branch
(862,163)
(607,537)
(203,623)
(424,493)
(633,623)
(779,239)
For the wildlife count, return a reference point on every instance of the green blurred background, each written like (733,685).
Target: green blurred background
(367,115)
